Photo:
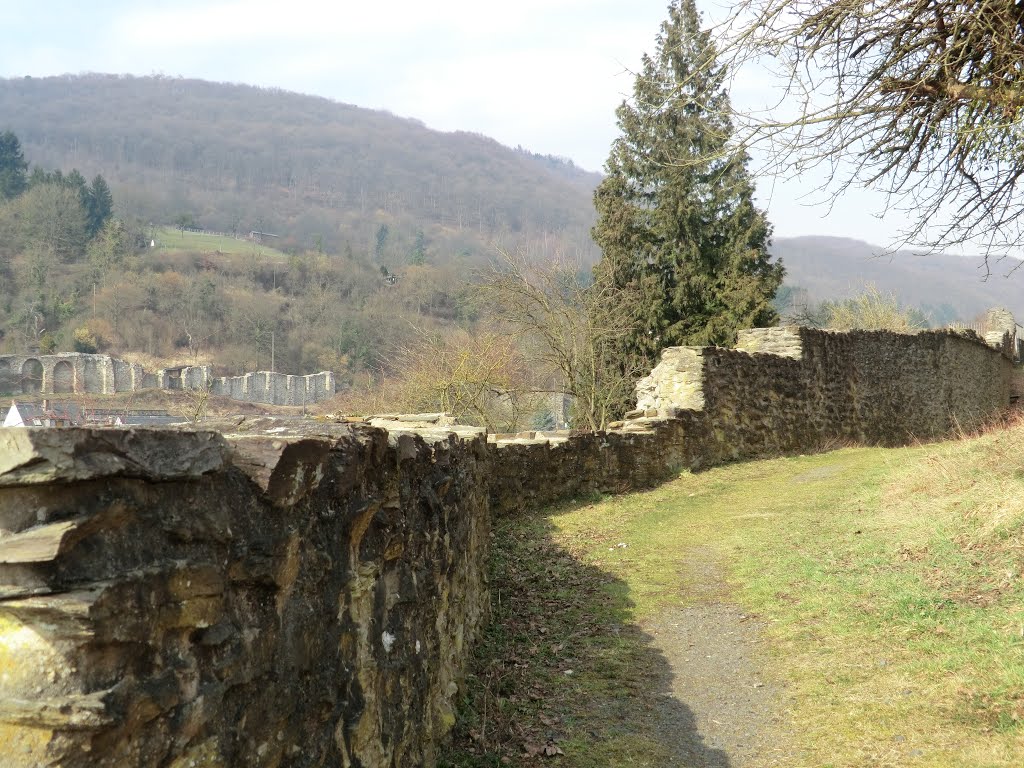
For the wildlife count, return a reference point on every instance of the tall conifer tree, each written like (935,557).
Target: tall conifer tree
(676,219)
(13,168)
(99,205)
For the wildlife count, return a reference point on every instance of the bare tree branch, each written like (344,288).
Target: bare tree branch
(922,99)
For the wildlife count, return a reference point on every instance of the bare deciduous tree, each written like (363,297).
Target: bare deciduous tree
(572,329)
(922,99)
(480,378)
(193,403)
(872,310)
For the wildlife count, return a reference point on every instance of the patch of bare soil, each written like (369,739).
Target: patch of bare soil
(715,655)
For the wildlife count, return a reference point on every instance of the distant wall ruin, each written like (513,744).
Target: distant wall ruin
(81,373)
(276,388)
(292,593)
(73,372)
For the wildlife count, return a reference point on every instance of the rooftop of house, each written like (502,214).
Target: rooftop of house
(63,413)
(44,413)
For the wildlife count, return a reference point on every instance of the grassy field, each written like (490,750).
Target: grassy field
(889,582)
(173,239)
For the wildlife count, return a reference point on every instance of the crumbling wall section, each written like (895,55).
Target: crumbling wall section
(262,598)
(796,389)
(276,388)
(535,469)
(872,387)
(1001,331)
(196,377)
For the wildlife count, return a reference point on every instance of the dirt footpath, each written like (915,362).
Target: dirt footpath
(716,656)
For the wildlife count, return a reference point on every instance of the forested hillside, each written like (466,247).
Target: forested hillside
(944,287)
(317,172)
(337,178)
(75,277)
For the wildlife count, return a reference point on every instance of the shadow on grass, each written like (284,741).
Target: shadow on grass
(562,675)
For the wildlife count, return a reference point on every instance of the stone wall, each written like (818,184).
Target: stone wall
(276,388)
(796,389)
(1001,331)
(72,372)
(263,598)
(871,387)
(293,593)
(105,375)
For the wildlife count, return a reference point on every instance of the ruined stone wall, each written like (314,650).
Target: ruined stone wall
(73,372)
(795,389)
(537,469)
(873,387)
(262,598)
(1001,332)
(300,593)
(276,388)
(105,375)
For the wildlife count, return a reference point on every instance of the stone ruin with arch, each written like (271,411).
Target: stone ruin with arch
(80,373)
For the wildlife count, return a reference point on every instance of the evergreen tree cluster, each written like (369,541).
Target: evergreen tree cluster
(51,224)
(62,209)
(96,199)
(680,234)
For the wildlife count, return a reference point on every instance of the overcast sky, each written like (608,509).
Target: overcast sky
(546,74)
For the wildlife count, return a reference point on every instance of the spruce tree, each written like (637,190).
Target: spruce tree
(13,168)
(677,224)
(100,205)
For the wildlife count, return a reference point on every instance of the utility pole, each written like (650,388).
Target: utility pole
(272,369)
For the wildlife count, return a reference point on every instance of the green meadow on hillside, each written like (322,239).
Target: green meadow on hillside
(172,239)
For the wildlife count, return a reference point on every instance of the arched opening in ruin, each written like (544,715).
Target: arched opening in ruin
(63,377)
(31,376)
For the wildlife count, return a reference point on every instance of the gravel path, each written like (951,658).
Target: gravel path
(715,653)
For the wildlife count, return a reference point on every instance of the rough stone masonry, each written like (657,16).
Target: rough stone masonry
(265,593)
(193,599)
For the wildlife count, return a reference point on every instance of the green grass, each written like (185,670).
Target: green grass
(890,582)
(173,239)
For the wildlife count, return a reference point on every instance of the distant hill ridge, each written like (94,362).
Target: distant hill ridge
(326,174)
(238,156)
(946,286)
